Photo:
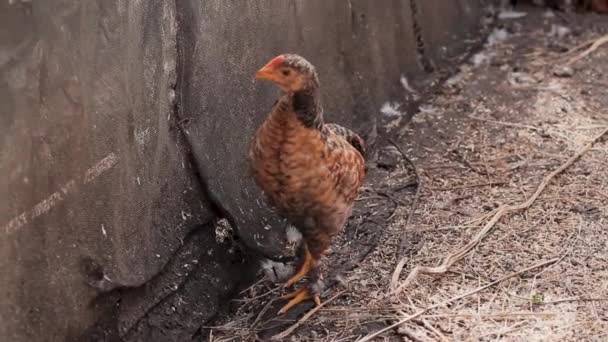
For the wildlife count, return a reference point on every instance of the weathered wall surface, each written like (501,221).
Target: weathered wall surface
(96,172)
(93,169)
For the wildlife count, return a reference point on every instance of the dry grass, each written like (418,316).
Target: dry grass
(539,273)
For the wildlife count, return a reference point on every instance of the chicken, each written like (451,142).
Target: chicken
(309,171)
(600,6)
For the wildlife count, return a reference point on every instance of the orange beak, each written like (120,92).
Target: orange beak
(266,73)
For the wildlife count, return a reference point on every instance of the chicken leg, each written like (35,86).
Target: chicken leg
(303,293)
(313,251)
(305,266)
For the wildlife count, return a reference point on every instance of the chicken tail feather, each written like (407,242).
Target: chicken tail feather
(353,138)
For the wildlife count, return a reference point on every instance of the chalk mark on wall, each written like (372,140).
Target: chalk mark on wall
(58,196)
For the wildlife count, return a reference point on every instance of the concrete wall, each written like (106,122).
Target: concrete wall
(124,129)
(96,179)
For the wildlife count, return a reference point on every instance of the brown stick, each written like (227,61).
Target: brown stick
(455,298)
(596,44)
(510,124)
(575,299)
(467,186)
(453,257)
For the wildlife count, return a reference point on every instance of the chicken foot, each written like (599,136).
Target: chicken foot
(297,297)
(307,265)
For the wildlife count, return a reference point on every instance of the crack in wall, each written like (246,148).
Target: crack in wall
(423,59)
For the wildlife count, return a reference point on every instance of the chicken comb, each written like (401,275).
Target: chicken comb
(275,61)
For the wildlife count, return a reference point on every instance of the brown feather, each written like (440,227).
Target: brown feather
(306,172)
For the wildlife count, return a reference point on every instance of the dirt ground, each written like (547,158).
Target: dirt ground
(515,112)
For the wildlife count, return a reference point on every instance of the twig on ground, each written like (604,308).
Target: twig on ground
(397,272)
(261,313)
(568,252)
(288,331)
(391,197)
(501,332)
(602,193)
(405,185)
(468,164)
(580,46)
(509,124)
(248,300)
(401,263)
(450,259)
(496,316)
(435,330)
(455,298)
(596,44)
(574,299)
(413,335)
(467,186)
(253,285)
(565,19)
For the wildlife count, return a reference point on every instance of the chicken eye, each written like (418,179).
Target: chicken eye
(286,72)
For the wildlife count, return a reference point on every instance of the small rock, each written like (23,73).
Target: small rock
(341,280)
(584,208)
(537,299)
(544,133)
(520,78)
(563,71)
(558,47)
(479,58)
(388,158)
(498,63)
(276,271)
(497,36)
(559,31)
(511,15)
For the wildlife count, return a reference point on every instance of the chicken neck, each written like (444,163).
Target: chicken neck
(307,106)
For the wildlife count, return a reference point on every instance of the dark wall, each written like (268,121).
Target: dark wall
(93,169)
(102,102)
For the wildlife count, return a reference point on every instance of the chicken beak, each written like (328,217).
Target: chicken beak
(264,74)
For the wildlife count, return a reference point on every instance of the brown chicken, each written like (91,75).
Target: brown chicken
(600,6)
(310,171)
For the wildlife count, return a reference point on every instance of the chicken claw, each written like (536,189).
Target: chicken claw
(297,297)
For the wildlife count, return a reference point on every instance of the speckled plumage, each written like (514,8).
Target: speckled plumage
(310,171)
